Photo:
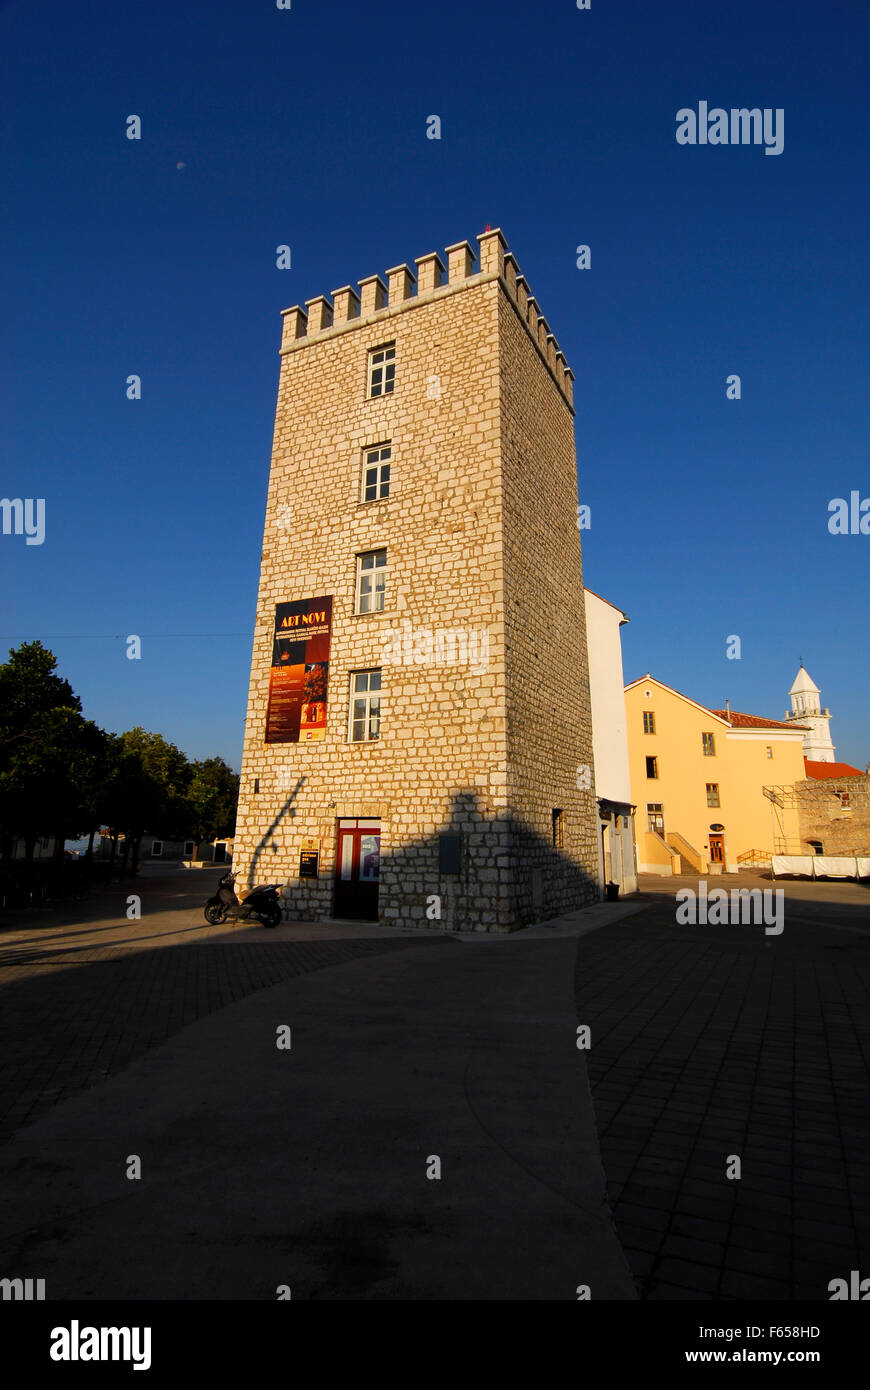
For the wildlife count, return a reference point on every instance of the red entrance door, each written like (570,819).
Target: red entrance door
(717,847)
(358,869)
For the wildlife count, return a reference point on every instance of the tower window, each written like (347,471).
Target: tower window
(649,722)
(371,578)
(708,744)
(365,706)
(558,819)
(712,793)
(382,370)
(376,473)
(652,767)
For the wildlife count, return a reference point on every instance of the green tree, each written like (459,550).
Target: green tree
(41,726)
(148,791)
(213,798)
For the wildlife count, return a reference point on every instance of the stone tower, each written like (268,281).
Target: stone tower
(806,709)
(418,746)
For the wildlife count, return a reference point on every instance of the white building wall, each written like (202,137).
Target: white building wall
(607,689)
(610,740)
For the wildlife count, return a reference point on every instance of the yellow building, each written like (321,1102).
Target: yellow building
(698,779)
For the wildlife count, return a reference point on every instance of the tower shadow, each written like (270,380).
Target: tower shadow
(476,871)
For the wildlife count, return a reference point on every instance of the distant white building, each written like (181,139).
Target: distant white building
(610,742)
(806,709)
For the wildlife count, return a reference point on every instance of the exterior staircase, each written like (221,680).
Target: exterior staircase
(687,852)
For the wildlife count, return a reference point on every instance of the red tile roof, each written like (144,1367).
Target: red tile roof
(753,721)
(837,770)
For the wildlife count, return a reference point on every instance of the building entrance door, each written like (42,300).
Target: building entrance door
(358,869)
(717,847)
(605,850)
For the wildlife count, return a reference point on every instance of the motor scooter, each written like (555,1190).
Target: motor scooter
(262,903)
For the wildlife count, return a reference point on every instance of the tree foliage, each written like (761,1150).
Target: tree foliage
(63,776)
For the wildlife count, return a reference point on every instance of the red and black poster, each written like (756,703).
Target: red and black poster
(300,671)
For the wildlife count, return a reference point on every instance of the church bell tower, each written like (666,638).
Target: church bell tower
(806,709)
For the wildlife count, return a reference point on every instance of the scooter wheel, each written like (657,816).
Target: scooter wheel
(214,914)
(271,919)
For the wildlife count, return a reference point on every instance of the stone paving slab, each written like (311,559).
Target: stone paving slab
(715,1041)
(308,1166)
(71,1018)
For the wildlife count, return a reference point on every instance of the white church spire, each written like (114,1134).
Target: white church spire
(806,709)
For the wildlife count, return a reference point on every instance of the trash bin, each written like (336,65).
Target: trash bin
(612,891)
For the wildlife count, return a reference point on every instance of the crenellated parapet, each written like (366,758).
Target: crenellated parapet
(347,309)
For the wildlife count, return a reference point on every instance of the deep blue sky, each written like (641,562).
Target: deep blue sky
(307,127)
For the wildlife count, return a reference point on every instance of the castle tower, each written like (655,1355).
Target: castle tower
(806,709)
(418,742)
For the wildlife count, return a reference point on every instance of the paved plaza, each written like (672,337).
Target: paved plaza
(712,1041)
(313,1167)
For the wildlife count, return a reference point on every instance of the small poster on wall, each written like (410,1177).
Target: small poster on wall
(309,859)
(300,671)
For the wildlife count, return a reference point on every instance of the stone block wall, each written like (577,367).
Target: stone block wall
(842,829)
(481,515)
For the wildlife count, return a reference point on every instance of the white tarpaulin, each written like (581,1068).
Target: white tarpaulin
(821,865)
(828,866)
(792,864)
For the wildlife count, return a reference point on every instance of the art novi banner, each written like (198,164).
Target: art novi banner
(300,671)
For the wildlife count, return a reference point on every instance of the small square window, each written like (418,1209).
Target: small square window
(382,370)
(649,722)
(652,767)
(712,793)
(371,579)
(376,473)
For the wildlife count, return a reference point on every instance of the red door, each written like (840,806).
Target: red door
(717,847)
(357,869)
